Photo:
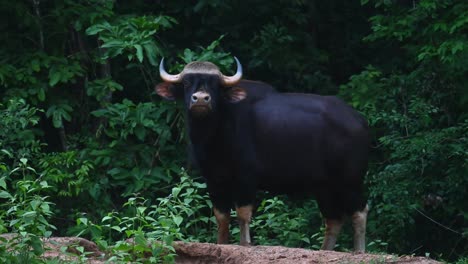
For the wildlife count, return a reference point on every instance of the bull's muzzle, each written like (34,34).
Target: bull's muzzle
(200,102)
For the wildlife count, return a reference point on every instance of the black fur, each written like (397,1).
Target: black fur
(283,143)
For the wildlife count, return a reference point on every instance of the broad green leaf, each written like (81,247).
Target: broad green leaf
(140,239)
(141,209)
(29,214)
(80,249)
(3,183)
(151,53)
(113,43)
(36,244)
(5,195)
(114,171)
(177,220)
(82,220)
(139,53)
(35,65)
(117,228)
(54,78)
(100,112)
(41,94)
(93,30)
(176,191)
(66,116)
(7,153)
(57,119)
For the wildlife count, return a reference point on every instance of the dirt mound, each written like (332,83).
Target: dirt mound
(212,253)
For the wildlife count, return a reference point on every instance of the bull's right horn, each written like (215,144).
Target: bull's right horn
(166,76)
(231,80)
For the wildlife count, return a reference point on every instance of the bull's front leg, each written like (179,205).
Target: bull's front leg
(220,196)
(222,219)
(244,201)
(244,216)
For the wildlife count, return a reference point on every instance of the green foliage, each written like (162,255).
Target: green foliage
(145,237)
(132,37)
(25,213)
(417,109)
(101,88)
(279,222)
(40,73)
(222,59)
(145,232)
(69,176)
(59,113)
(25,210)
(137,134)
(462,260)
(188,206)
(18,139)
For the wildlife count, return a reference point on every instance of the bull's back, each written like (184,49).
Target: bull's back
(299,140)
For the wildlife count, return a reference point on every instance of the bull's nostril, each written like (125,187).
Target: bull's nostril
(194,98)
(207,98)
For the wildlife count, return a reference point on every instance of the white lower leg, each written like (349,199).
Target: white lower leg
(332,229)
(359,220)
(244,215)
(223,220)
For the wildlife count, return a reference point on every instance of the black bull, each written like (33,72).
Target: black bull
(246,136)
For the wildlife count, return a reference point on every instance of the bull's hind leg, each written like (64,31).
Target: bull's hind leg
(333,214)
(244,215)
(332,229)
(359,219)
(223,220)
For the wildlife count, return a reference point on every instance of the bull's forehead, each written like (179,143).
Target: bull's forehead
(201,67)
(201,77)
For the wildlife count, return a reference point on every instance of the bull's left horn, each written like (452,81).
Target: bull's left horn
(231,80)
(166,76)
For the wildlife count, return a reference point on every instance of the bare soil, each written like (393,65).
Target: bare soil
(212,253)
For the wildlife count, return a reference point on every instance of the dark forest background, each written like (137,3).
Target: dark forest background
(88,148)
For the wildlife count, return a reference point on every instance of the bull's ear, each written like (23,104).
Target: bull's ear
(236,94)
(165,90)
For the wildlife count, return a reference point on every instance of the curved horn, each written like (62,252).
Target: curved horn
(166,76)
(231,80)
